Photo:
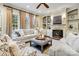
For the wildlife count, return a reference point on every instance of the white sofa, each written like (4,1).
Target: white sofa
(25,34)
(68,46)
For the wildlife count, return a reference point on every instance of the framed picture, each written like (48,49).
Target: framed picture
(57,19)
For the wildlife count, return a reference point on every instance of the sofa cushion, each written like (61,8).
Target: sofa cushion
(28,31)
(70,38)
(20,31)
(7,38)
(4,50)
(12,46)
(73,40)
(8,45)
(60,48)
(75,45)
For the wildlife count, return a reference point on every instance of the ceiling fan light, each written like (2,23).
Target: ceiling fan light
(42,4)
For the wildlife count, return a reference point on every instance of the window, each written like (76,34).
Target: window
(33,21)
(27,21)
(16,20)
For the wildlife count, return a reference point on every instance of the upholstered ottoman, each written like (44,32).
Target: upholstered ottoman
(41,42)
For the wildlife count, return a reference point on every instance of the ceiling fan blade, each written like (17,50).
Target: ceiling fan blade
(46,5)
(38,6)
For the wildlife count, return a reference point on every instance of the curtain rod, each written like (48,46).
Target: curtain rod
(17,9)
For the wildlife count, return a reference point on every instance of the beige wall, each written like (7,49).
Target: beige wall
(39,21)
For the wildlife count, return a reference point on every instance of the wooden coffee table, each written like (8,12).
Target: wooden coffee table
(40,42)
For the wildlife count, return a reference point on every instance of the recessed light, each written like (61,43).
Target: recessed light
(27,6)
(39,11)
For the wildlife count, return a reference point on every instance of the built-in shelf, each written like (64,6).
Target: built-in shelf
(73,19)
(59,25)
(46,22)
(73,14)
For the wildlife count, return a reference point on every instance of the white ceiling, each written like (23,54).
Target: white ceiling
(53,7)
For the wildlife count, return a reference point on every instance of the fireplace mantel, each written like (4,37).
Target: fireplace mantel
(58,27)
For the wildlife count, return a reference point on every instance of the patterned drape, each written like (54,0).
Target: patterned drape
(31,19)
(23,19)
(8,21)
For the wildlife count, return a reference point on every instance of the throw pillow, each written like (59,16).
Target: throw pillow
(17,33)
(21,32)
(14,49)
(6,38)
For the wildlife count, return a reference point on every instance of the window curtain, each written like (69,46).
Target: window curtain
(23,20)
(30,15)
(8,21)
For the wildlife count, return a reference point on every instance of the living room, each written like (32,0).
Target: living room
(39,29)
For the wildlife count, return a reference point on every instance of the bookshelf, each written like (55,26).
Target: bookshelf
(46,22)
(73,14)
(73,20)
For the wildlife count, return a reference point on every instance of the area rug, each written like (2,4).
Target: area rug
(38,48)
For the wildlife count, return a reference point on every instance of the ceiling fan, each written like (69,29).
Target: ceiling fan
(42,4)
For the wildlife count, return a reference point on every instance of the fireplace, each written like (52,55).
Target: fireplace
(57,34)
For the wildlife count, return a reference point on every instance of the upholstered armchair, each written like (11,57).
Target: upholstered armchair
(8,47)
